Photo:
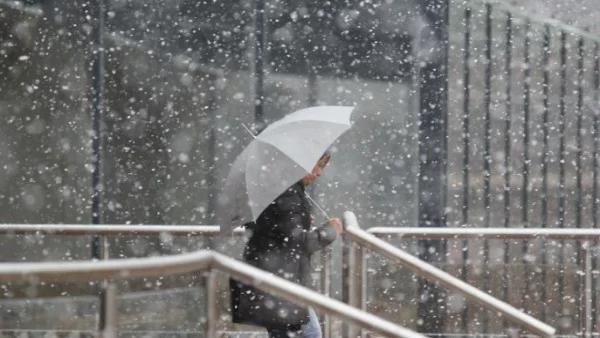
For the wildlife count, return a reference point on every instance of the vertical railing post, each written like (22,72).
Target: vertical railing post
(353,282)
(259,35)
(362,257)
(507,154)
(356,283)
(211,304)
(595,159)
(526,166)
(578,171)
(544,163)
(108,314)
(487,155)
(466,151)
(561,166)
(97,110)
(587,289)
(352,287)
(326,272)
(345,278)
(433,155)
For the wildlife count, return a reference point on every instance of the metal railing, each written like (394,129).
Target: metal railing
(113,230)
(357,278)
(355,272)
(585,236)
(193,262)
(204,231)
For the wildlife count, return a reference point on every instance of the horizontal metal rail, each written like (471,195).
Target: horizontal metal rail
(424,269)
(114,230)
(199,261)
(579,234)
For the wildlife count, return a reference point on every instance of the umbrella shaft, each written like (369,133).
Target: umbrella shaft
(318,206)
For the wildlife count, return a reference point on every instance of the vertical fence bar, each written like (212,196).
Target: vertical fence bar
(544,160)
(596,158)
(313,55)
(211,304)
(587,285)
(487,156)
(312,81)
(98,107)
(507,143)
(466,146)
(98,242)
(578,177)
(526,163)
(259,29)
(561,164)
(354,274)
(326,271)
(432,161)
(346,275)
(108,315)
(363,256)
(355,283)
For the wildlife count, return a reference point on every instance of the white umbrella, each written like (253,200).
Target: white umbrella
(278,157)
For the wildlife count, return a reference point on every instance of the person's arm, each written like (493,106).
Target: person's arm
(320,237)
(290,223)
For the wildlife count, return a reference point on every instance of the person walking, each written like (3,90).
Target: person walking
(282,242)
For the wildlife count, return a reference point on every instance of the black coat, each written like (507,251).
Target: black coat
(281,243)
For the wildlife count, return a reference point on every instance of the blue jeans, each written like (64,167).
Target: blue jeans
(312,329)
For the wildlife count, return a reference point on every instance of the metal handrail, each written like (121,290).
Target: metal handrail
(213,230)
(583,235)
(203,260)
(580,234)
(114,230)
(208,231)
(512,314)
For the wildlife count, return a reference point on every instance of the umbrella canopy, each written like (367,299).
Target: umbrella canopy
(278,157)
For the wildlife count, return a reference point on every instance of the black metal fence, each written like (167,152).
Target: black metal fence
(523,140)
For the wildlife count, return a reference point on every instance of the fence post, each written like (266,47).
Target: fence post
(587,291)
(211,303)
(326,269)
(109,314)
(346,275)
(433,87)
(353,282)
(97,96)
